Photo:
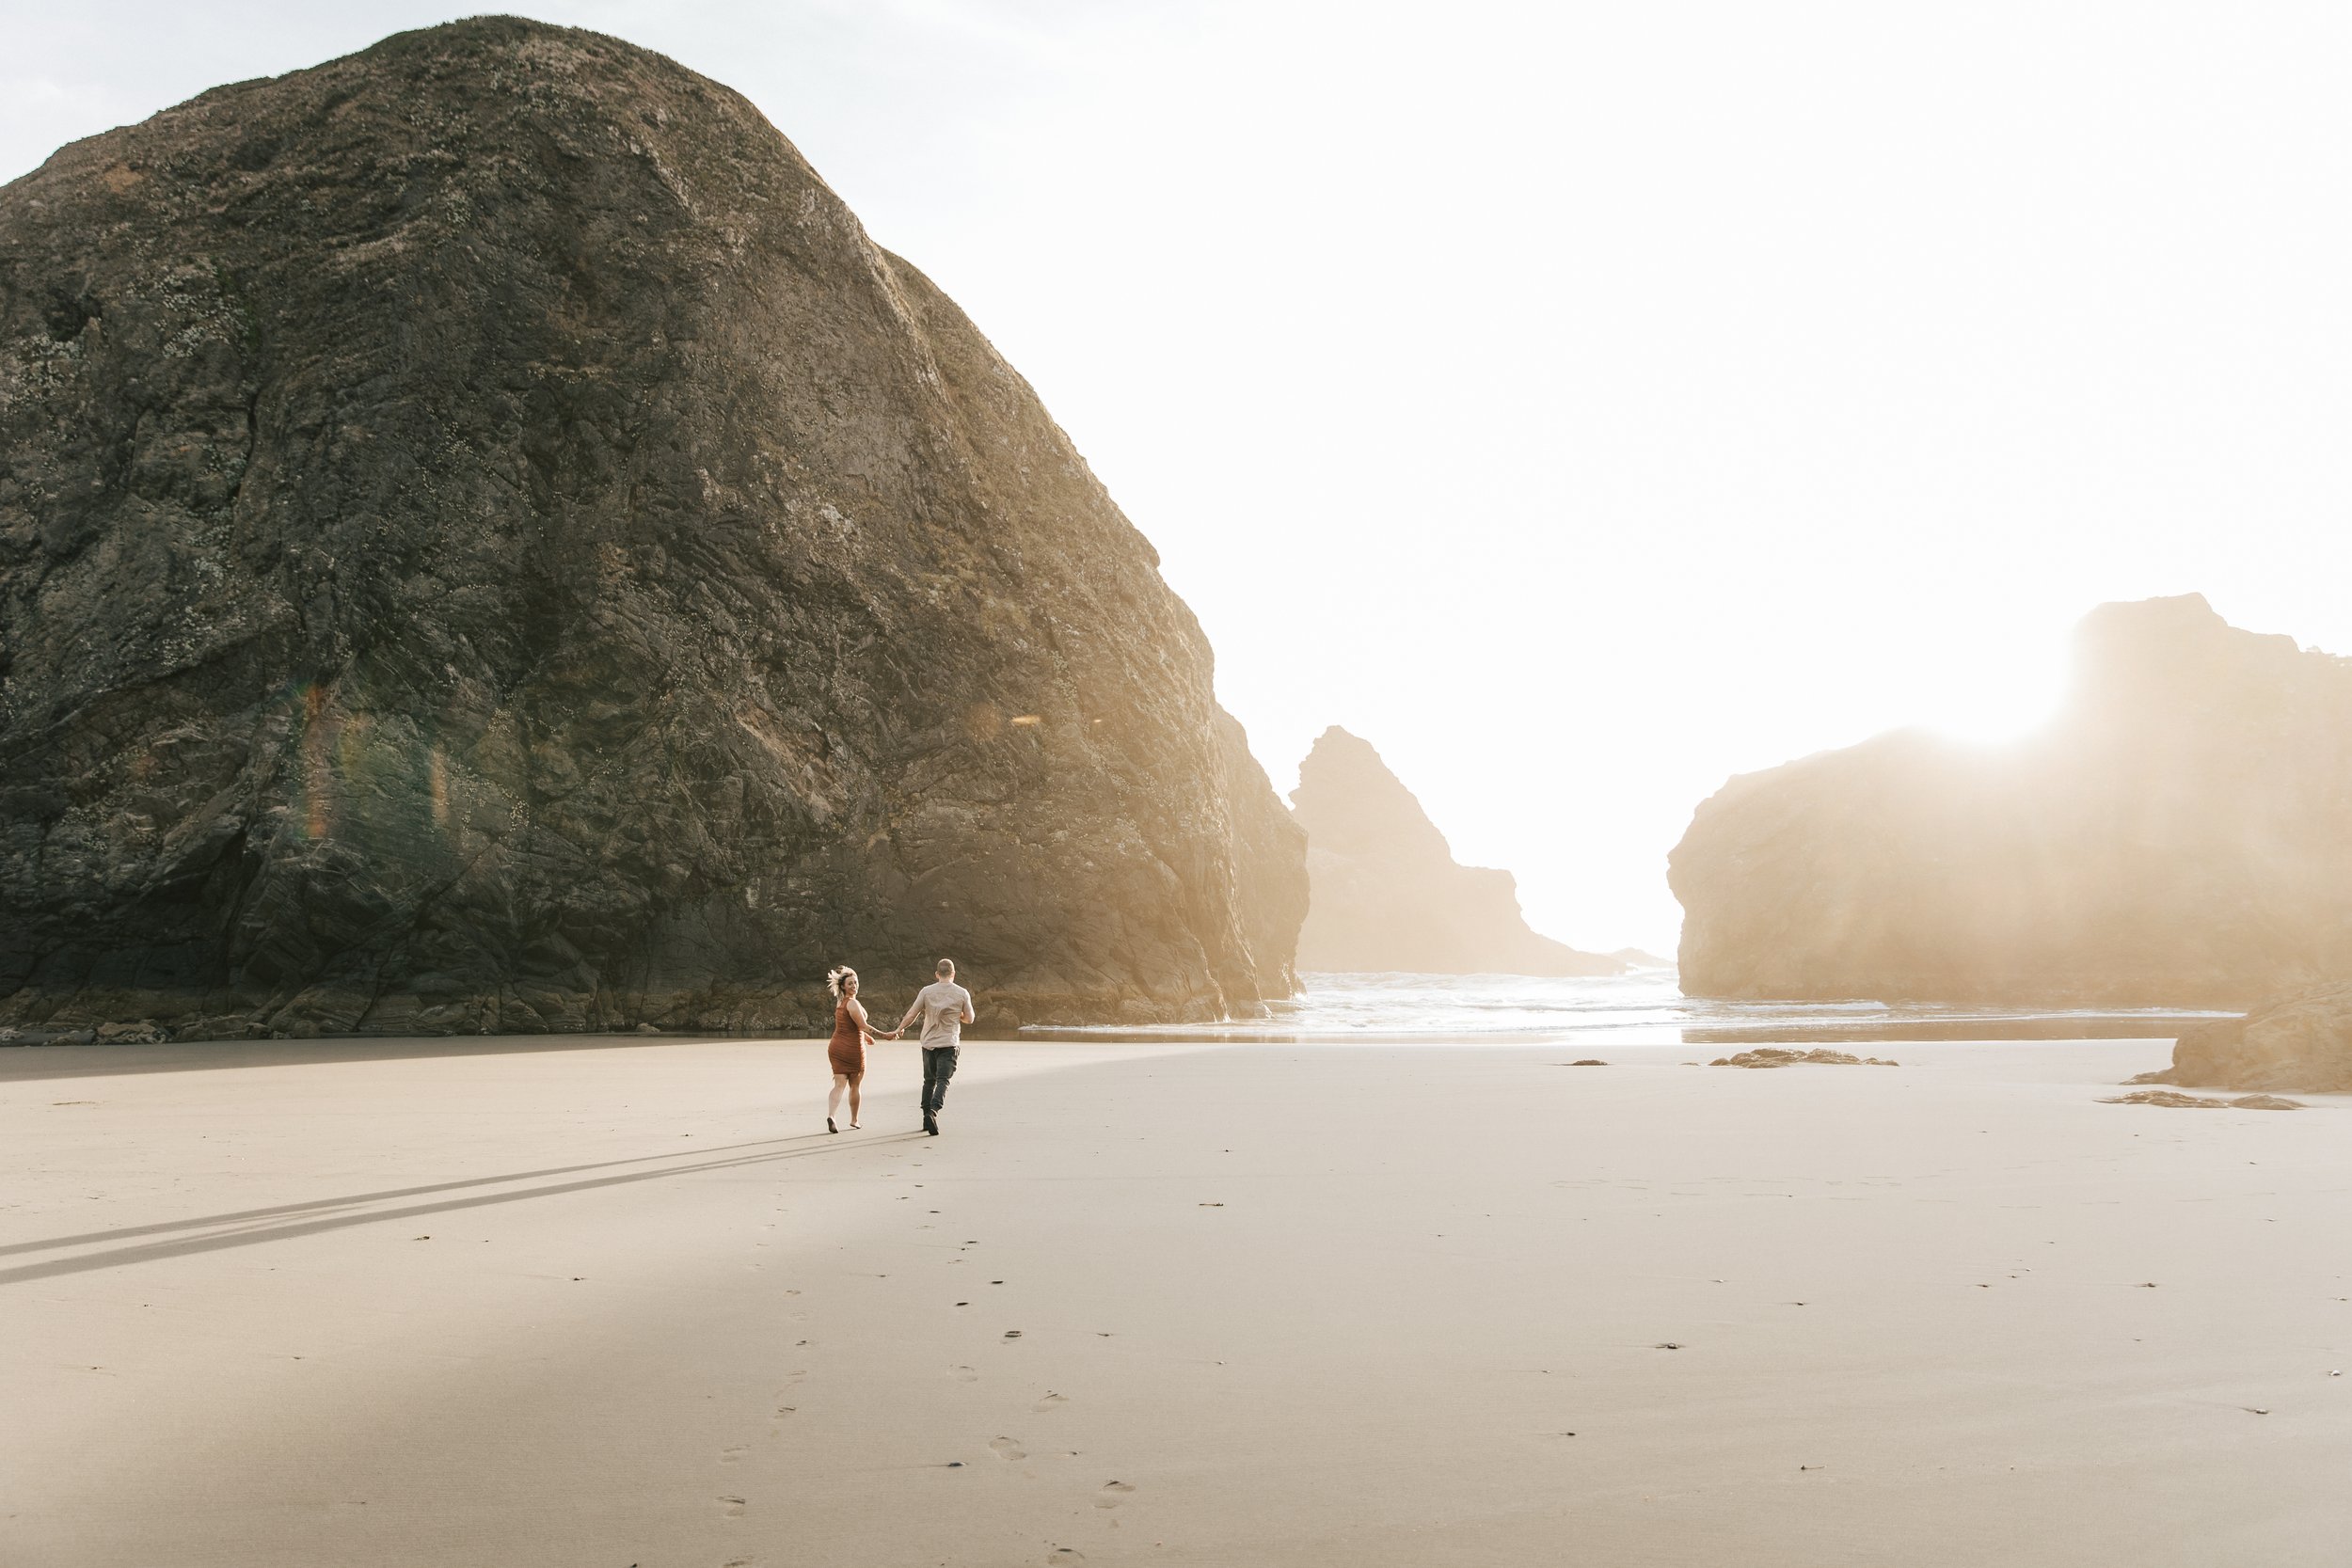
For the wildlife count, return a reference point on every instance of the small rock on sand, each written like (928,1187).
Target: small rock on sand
(2199,1102)
(1773,1056)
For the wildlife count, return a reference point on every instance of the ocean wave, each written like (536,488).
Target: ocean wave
(1642,1007)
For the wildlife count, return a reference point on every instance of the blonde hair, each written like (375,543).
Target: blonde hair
(835,976)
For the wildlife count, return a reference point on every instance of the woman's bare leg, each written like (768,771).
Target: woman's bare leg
(855,1083)
(833,1101)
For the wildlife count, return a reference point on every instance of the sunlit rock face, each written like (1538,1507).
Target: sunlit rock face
(1385,890)
(487,542)
(2180,834)
(2300,1045)
(1269,865)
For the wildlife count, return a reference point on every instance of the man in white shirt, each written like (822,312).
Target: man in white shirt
(944,1008)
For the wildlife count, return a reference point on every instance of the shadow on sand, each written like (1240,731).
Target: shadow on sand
(251,1226)
(34,1063)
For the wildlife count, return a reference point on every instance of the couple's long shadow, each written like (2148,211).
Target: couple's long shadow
(250,1226)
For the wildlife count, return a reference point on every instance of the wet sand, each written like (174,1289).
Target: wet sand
(583,1303)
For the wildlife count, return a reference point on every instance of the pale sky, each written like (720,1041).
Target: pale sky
(1583,402)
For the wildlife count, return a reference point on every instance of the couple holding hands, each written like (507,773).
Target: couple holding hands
(944,1008)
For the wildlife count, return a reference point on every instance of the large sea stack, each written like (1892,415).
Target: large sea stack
(2180,834)
(1384,888)
(488,543)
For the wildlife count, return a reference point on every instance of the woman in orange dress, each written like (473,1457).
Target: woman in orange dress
(846,1051)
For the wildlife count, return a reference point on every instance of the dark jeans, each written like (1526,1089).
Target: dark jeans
(939,1064)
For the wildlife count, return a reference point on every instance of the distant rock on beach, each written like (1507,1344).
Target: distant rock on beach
(487,544)
(2174,1101)
(2181,834)
(1772,1056)
(1386,893)
(2300,1045)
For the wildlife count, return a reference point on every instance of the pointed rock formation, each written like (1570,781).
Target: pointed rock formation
(487,542)
(2180,834)
(1386,893)
(1269,865)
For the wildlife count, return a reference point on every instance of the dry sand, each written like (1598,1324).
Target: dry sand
(1151,1304)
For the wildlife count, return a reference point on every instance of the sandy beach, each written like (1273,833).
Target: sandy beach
(581,1302)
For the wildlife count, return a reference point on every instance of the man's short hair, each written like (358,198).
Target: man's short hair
(945,968)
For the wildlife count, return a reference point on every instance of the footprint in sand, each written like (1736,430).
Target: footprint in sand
(1006,1448)
(732,1456)
(1048,1402)
(964,1374)
(1062,1557)
(734,1507)
(1111,1492)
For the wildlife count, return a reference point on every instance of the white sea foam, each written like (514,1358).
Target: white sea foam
(1646,1006)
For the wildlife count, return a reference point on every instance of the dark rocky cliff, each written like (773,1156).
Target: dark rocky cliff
(487,542)
(1386,893)
(2181,834)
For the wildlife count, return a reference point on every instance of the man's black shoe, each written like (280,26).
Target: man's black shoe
(931,1124)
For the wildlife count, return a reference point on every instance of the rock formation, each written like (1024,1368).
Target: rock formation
(487,542)
(2180,834)
(1773,1056)
(2193,1102)
(1269,863)
(2303,1045)
(1386,893)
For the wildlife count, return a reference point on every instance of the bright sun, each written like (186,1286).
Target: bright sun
(1991,697)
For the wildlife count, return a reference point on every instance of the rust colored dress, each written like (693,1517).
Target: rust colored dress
(846,1051)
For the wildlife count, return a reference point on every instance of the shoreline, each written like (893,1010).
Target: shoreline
(2123,1025)
(1956,1031)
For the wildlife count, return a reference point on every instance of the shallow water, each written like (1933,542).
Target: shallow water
(1645,1008)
